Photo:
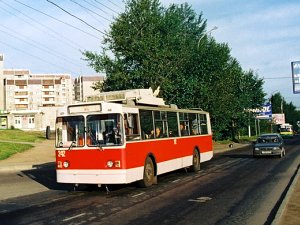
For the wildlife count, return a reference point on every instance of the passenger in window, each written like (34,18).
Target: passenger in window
(183,131)
(116,134)
(158,133)
(151,135)
(126,126)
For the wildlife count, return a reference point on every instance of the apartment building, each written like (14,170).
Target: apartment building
(83,87)
(29,101)
(1,85)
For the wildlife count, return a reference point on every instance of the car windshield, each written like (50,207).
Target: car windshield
(268,139)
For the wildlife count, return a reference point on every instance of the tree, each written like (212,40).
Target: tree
(279,105)
(150,46)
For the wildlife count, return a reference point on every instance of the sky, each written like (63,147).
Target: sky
(263,35)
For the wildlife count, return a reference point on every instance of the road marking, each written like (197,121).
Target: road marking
(73,217)
(134,196)
(200,199)
(175,181)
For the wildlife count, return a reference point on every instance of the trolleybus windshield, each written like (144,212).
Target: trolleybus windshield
(70,131)
(104,129)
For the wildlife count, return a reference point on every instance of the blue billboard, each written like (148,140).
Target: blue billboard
(264,112)
(296,76)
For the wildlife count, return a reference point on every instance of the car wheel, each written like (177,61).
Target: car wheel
(281,154)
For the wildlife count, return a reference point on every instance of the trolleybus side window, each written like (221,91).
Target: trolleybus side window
(161,126)
(131,126)
(104,129)
(70,131)
(184,124)
(147,125)
(172,124)
(203,124)
(193,124)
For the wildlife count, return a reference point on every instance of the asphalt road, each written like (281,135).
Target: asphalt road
(233,188)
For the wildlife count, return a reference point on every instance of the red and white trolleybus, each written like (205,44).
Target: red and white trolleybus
(128,136)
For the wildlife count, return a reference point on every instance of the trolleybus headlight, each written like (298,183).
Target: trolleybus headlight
(110,163)
(66,164)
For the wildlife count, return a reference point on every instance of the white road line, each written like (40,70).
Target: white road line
(175,181)
(73,217)
(134,196)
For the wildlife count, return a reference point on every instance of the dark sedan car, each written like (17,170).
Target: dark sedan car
(269,145)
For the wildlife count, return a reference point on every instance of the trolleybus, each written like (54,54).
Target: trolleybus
(128,136)
(286,130)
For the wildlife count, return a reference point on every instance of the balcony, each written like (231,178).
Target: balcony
(48,88)
(48,102)
(47,94)
(21,94)
(21,101)
(21,88)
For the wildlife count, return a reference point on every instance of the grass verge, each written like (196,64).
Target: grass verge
(7,149)
(21,136)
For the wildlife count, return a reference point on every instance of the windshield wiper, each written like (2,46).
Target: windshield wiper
(94,140)
(73,143)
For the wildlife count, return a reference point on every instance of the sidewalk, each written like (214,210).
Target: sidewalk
(41,153)
(44,152)
(289,211)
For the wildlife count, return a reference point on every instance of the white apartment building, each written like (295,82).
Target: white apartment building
(29,101)
(83,87)
(1,85)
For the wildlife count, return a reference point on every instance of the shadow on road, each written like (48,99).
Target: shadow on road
(45,174)
(239,156)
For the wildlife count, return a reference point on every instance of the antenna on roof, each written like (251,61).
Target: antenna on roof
(156,92)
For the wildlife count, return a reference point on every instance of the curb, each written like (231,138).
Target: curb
(16,168)
(22,167)
(286,199)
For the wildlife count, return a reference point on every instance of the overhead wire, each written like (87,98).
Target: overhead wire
(90,10)
(46,29)
(93,16)
(52,17)
(38,46)
(113,4)
(83,21)
(34,56)
(107,6)
(273,78)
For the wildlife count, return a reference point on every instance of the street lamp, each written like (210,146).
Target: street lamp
(207,32)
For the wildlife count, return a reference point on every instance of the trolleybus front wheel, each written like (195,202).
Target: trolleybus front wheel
(196,161)
(148,176)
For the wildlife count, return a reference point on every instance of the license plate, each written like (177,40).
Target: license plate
(266,152)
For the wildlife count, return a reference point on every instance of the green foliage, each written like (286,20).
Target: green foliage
(279,105)
(150,46)
(8,149)
(21,136)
